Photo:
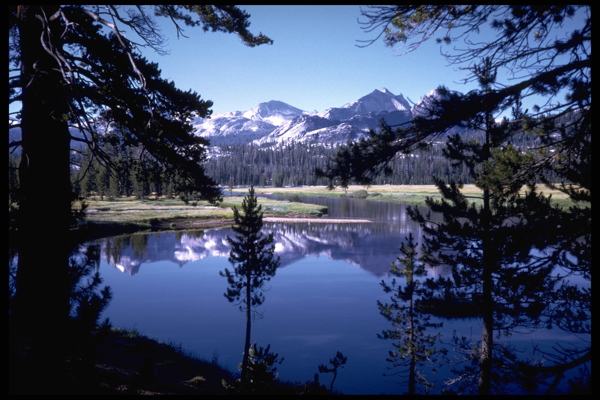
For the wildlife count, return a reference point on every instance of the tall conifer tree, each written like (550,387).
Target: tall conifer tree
(69,65)
(413,346)
(489,243)
(254,262)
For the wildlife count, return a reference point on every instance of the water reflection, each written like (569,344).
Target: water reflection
(370,246)
(323,300)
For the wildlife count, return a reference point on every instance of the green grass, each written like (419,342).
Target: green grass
(173,213)
(276,207)
(150,212)
(407,194)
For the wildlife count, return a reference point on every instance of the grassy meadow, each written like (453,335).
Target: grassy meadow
(409,194)
(162,213)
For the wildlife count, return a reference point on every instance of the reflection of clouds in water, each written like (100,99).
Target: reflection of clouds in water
(187,255)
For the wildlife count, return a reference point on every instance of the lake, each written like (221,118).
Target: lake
(322,299)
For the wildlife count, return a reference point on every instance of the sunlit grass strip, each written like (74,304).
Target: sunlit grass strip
(146,211)
(382,189)
(407,194)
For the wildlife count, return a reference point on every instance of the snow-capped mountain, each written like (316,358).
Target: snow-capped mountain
(277,123)
(341,124)
(375,102)
(244,127)
(274,112)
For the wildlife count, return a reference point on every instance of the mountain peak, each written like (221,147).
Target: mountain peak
(377,101)
(275,112)
(275,122)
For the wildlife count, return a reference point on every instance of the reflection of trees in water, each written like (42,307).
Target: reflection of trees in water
(372,246)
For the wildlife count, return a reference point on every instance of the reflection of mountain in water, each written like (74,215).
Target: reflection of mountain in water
(372,246)
(128,253)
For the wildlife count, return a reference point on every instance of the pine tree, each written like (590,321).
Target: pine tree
(254,264)
(70,65)
(414,348)
(489,242)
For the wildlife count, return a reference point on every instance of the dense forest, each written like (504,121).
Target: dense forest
(128,174)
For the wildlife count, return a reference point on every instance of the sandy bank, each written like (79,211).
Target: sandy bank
(317,220)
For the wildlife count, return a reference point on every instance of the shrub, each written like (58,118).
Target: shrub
(292,197)
(359,194)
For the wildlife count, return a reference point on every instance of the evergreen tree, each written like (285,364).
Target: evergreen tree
(72,64)
(413,346)
(336,363)
(490,242)
(254,264)
(261,373)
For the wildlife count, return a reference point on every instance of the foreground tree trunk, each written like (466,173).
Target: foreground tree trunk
(246,357)
(487,305)
(41,308)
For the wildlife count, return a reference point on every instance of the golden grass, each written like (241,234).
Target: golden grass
(424,190)
(129,210)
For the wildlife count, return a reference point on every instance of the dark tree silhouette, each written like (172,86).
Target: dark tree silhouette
(336,363)
(252,255)
(262,373)
(413,346)
(490,242)
(72,68)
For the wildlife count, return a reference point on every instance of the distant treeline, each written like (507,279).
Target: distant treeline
(247,164)
(295,164)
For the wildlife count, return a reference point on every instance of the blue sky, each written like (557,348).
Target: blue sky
(313,64)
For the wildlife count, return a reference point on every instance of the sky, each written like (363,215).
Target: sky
(314,63)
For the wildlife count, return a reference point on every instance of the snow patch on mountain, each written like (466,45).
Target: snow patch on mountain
(351,121)
(244,127)
(275,122)
(274,112)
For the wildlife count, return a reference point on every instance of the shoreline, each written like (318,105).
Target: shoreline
(323,220)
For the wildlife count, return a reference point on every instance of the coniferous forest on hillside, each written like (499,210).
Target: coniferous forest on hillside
(130,174)
(248,164)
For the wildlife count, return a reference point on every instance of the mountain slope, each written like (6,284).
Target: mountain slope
(244,127)
(338,125)
(275,123)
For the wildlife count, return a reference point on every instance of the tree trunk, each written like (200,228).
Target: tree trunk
(487,302)
(245,359)
(41,308)
(487,335)
(412,372)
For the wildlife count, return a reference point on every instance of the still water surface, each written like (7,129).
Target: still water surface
(322,299)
